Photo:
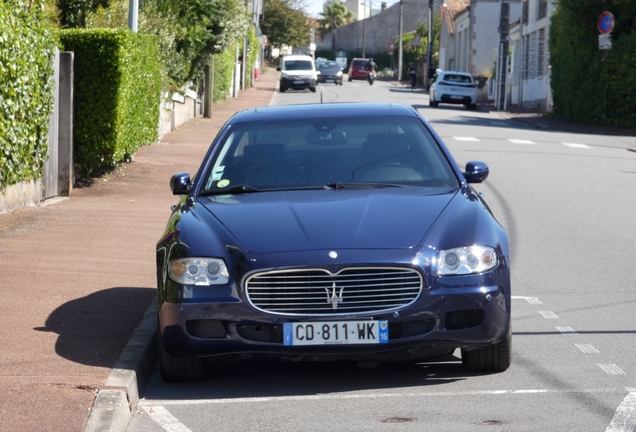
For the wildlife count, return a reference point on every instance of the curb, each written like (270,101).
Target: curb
(117,399)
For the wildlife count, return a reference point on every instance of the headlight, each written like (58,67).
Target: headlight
(198,271)
(318,73)
(339,73)
(466,260)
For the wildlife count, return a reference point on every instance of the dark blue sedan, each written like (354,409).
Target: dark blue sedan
(331,231)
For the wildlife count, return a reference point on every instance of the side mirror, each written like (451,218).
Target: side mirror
(476,172)
(180,184)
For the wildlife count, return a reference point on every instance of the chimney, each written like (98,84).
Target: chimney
(383,6)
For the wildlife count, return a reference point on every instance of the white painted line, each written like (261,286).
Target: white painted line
(624,419)
(566,330)
(548,314)
(587,348)
(611,369)
(530,300)
(163,418)
(466,138)
(521,141)
(168,402)
(575,145)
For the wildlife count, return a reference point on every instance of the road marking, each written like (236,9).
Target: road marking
(566,330)
(521,141)
(575,145)
(530,300)
(466,138)
(587,348)
(154,404)
(624,419)
(163,418)
(611,369)
(548,314)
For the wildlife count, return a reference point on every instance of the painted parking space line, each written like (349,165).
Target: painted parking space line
(549,314)
(566,330)
(587,348)
(530,300)
(575,145)
(521,141)
(168,402)
(611,369)
(466,139)
(625,415)
(167,421)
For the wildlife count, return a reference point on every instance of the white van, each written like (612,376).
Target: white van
(297,72)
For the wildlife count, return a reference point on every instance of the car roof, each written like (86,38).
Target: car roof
(323,110)
(297,57)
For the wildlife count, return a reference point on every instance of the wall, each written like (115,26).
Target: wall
(380,29)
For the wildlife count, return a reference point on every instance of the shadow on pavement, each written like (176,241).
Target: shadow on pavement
(91,329)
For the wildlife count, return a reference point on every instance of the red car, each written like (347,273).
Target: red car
(358,68)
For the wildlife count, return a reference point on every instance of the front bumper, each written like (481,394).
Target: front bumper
(298,83)
(455,98)
(470,311)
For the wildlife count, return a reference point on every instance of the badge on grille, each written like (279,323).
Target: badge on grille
(335,298)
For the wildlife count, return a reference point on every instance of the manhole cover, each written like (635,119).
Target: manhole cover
(398,420)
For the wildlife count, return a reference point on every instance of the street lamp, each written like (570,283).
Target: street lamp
(429,49)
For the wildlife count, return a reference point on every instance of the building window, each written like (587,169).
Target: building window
(524,12)
(526,56)
(543,9)
(541,57)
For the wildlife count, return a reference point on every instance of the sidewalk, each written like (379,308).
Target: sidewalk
(79,274)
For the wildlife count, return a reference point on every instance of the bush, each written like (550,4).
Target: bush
(27,48)
(117,95)
(603,93)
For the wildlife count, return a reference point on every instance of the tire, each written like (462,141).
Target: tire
(282,88)
(493,358)
(472,107)
(432,103)
(178,369)
(350,79)
(312,89)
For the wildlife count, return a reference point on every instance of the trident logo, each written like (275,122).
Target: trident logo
(335,298)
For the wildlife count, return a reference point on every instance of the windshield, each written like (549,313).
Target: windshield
(328,65)
(293,65)
(323,153)
(464,79)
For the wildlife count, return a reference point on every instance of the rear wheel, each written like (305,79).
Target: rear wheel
(175,369)
(494,358)
(312,89)
(471,107)
(281,88)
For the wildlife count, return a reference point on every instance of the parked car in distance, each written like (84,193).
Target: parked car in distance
(452,87)
(297,72)
(328,71)
(358,69)
(336,231)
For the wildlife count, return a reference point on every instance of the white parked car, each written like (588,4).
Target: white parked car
(453,87)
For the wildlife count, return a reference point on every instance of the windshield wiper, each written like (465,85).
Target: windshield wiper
(340,185)
(233,190)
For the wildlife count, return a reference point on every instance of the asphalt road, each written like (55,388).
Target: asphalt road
(567,202)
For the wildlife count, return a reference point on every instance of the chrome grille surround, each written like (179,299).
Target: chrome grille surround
(306,292)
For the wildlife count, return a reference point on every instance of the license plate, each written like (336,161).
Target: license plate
(299,82)
(329,80)
(336,333)
(457,97)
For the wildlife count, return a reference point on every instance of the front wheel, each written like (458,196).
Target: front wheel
(493,358)
(178,369)
(312,89)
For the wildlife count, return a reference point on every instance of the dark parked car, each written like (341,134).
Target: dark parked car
(328,71)
(331,231)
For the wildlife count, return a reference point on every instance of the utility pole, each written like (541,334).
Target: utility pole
(133,12)
(502,63)
(400,47)
(364,28)
(429,49)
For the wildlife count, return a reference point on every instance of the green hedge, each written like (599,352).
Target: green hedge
(590,85)
(117,92)
(27,48)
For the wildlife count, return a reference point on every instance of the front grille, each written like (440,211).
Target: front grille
(319,292)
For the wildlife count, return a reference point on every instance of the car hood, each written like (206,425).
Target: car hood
(271,222)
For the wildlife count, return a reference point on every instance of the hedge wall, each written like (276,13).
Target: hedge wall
(117,92)
(590,85)
(27,48)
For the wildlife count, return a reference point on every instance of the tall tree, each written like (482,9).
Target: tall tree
(335,15)
(285,23)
